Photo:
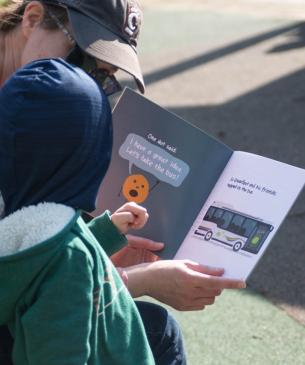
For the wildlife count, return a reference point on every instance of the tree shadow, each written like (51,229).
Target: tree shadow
(268,121)
(155,76)
(295,40)
(186,65)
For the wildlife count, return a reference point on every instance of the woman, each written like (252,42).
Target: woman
(75,30)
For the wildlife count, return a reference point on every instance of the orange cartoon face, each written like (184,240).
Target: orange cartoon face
(136,188)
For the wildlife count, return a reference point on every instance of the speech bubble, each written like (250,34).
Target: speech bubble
(153,159)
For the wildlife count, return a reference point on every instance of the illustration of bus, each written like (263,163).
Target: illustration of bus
(240,231)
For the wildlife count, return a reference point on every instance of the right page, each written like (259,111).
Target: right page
(242,214)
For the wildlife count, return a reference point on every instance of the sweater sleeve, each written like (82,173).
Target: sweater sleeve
(107,233)
(57,325)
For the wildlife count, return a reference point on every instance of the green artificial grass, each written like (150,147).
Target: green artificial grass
(242,328)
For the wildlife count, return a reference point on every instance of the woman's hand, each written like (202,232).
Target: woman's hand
(137,251)
(182,284)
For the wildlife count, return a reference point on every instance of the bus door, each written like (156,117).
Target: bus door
(257,237)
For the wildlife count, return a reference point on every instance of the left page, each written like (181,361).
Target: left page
(242,214)
(163,163)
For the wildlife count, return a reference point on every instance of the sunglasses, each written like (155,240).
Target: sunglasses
(86,62)
(81,59)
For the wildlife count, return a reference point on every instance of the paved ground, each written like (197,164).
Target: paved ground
(237,70)
(285,9)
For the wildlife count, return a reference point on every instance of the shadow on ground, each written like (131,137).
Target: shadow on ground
(267,121)
(295,39)
(294,32)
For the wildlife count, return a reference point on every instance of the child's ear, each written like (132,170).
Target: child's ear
(32,18)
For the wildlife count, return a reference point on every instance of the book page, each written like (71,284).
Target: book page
(242,214)
(162,163)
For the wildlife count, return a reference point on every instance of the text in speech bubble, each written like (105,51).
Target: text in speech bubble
(153,159)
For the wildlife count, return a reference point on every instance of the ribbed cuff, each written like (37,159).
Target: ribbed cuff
(107,234)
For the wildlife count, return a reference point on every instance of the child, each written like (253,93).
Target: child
(60,296)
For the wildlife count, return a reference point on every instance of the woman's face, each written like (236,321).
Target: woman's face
(34,42)
(44,43)
(30,41)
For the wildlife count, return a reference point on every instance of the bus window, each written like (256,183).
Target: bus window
(248,227)
(209,214)
(217,216)
(226,219)
(236,223)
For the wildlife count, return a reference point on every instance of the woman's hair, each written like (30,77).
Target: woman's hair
(12,12)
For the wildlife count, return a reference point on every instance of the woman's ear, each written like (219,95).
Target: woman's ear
(32,17)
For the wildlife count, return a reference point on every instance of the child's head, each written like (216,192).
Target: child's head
(55,137)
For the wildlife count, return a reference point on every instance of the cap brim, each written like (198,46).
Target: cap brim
(102,44)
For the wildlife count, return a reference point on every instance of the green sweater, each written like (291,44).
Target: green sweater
(60,295)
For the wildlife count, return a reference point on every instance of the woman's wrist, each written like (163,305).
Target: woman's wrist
(140,279)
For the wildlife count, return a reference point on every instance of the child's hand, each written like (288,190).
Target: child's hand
(130,215)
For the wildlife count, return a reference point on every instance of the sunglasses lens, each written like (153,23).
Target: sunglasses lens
(99,76)
(111,86)
(109,83)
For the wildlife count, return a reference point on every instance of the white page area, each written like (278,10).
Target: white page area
(254,190)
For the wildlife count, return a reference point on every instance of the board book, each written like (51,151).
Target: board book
(206,202)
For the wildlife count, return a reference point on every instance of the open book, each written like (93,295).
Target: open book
(207,202)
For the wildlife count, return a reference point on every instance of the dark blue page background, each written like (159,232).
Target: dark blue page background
(172,210)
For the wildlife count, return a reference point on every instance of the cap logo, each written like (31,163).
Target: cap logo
(133,22)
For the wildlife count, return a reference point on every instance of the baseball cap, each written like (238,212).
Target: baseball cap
(107,30)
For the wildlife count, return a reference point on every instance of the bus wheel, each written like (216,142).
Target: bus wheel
(208,235)
(237,246)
